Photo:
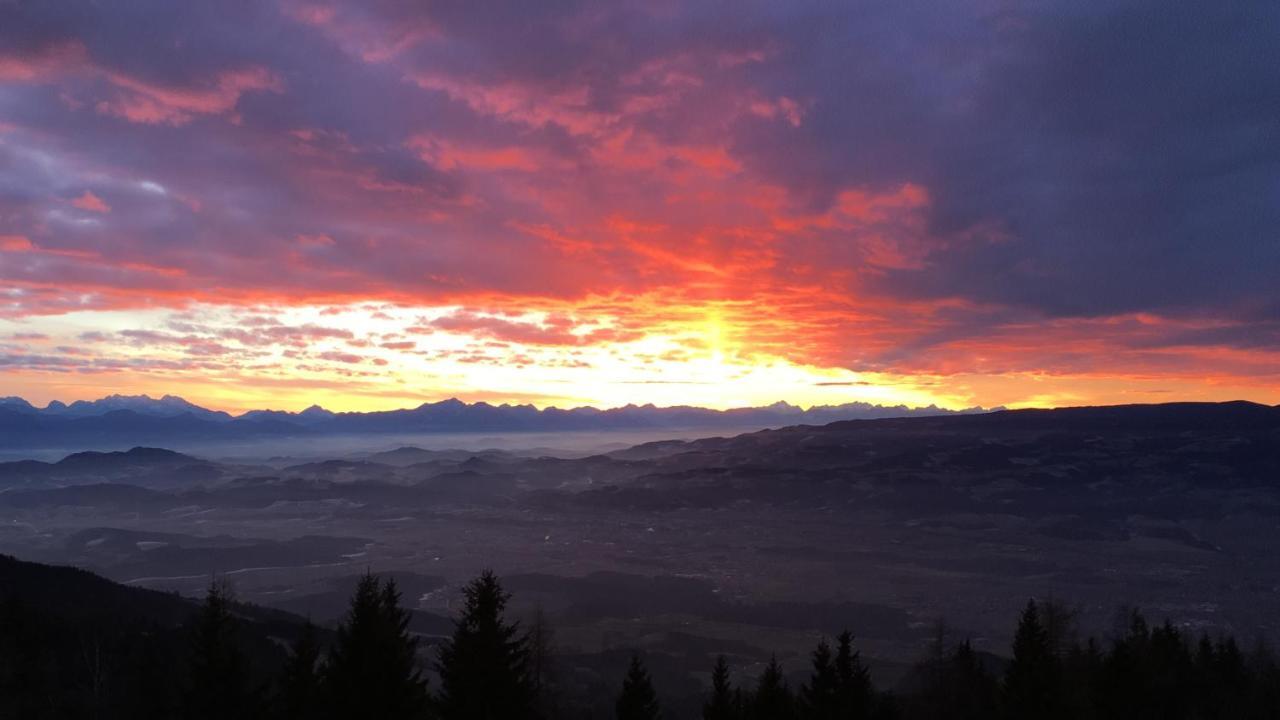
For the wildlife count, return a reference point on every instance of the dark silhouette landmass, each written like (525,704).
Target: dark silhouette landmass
(73,645)
(753,547)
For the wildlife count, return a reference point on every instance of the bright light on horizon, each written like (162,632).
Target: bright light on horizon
(364,357)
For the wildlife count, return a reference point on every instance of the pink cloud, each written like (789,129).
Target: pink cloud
(298,336)
(530,106)
(783,107)
(452,155)
(91,203)
(45,64)
(136,99)
(315,241)
(148,103)
(15,243)
(554,330)
(341,357)
(370,42)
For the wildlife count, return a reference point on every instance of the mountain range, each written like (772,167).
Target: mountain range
(140,420)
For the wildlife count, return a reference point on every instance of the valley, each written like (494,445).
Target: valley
(761,542)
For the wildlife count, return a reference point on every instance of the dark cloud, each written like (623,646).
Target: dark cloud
(1121,158)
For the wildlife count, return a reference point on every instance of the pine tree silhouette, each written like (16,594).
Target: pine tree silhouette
(970,693)
(483,668)
(820,696)
(1228,677)
(219,679)
(372,669)
(853,681)
(637,701)
(300,680)
(773,699)
(1265,674)
(1030,685)
(722,704)
(1168,672)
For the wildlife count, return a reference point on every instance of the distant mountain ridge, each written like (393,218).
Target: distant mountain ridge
(166,406)
(142,420)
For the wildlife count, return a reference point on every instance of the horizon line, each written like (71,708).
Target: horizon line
(536,406)
(973,409)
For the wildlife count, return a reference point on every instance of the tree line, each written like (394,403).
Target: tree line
(492,668)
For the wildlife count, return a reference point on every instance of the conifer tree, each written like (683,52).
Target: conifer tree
(484,672)
(1030,685)
(1168,672)
(773,699)
(372,669)
(637,701)
(1204,663)
(969,692)
(1265,674)
(721,705)
(1230,678)
(219,685)
(853,681)
(820,696)
(300,680)
(1059,622)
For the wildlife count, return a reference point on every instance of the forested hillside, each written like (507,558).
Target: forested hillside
(73,645)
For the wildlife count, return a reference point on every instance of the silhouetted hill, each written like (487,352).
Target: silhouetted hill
(138,457)
(1248,421)
(75,594)
(1170,460)
(74,645)
(139,466)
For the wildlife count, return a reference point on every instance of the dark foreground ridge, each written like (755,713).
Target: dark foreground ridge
(73,645)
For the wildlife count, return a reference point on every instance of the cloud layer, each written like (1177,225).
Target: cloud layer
(988,192)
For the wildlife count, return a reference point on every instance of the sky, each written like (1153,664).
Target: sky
(368,205)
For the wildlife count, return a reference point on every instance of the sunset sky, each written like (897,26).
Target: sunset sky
(370,205)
